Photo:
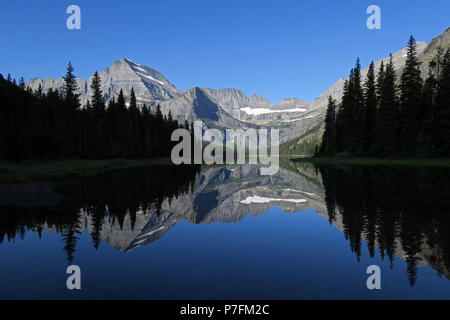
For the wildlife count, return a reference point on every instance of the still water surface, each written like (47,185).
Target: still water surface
(229,233)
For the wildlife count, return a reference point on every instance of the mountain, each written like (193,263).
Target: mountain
(148,83)
(225,108)
(230,107)
(430,51)
(426,53)
(337,89)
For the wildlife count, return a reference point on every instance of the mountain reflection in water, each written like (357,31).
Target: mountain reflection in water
(401,212)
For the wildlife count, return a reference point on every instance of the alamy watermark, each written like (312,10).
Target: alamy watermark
(73,22)
(374,21)
(374,280)
(74,280)
(238,143)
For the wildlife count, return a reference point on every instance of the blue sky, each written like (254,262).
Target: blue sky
(274,48)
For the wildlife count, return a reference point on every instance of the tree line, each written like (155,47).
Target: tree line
(54,125)
(388,118)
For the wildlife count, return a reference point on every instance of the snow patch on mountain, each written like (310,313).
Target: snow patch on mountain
(149,77)
(258,111)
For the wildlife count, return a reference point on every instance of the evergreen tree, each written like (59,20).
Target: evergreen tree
(386,123)
(424,143)
(351,116)
(70,88)
(22,83)
(359,117)
(380,78)
(98,132)
(97,99)
(410,100)
(146,132)
(134,126)
(345,117)
(328,146)
(122,125)
(441,123)
(370,106)
(68,131)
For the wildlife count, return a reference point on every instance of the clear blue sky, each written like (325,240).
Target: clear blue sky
(277,49)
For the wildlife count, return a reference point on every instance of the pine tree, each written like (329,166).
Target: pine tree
(410,101)
(69,131)
(134,125)
(22,83)
(97,99)
(359,118)
(70,88)
(346,116)
(122,125)
(370,106)
(441,123)
(380,78)
(351,116)
(328,146)
(386,142)
(98,134)
(424,143)
(341,120)
(146,132)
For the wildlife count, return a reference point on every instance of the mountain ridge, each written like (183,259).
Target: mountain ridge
(228,107)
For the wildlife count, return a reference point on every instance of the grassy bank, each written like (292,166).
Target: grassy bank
(30,171)
(413,162)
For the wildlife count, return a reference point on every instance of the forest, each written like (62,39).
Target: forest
(54,125)
(390,117)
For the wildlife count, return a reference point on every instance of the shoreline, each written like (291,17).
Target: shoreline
(48,171)
(32,171)
(360,161)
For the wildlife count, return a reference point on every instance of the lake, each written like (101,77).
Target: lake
(165,232)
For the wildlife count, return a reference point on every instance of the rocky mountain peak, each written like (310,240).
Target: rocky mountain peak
(148,84)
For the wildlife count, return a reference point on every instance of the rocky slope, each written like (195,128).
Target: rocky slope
(148,83)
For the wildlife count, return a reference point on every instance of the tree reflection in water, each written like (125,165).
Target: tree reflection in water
(401,211)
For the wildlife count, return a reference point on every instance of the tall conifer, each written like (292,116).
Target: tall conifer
(410,100)
(370,106)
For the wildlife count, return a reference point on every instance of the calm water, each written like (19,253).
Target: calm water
(230,233)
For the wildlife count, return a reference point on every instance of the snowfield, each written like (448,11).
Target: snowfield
(257,111)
